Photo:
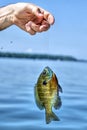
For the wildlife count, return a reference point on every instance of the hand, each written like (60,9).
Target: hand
(31,18)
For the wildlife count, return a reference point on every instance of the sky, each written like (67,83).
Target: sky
(68,36)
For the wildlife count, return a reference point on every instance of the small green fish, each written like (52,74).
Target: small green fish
(47,93)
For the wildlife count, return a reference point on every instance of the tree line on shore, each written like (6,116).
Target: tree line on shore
(38,56)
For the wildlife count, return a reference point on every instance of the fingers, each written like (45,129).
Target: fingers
(29,29)
(35,19)
(44,26)
(32,27)
(43,14)
(49,18)
(38,15)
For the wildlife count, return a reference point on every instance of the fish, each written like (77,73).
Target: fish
(46,93)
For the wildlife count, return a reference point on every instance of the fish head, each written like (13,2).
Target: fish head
(46,75)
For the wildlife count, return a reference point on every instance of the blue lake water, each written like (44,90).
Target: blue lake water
(18,110)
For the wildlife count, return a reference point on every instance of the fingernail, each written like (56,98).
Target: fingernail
(51,19)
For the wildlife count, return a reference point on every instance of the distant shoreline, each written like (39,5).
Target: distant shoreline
(40,56)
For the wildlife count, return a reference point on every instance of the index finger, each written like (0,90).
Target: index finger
(48,17)
(42,14)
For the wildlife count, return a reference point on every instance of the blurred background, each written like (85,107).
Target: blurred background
(68,36)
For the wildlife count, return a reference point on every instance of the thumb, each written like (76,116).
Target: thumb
(38,14)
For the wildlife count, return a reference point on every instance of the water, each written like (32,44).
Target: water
(18,110)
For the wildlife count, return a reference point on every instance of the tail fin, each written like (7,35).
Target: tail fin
(51,117)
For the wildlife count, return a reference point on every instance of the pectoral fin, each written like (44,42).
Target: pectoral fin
(37,99)
(58,103)
(60,88)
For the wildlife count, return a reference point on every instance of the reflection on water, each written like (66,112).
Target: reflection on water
(18,110)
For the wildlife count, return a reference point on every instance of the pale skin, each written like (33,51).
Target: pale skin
(27,16)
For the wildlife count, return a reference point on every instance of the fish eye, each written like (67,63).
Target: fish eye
(44,82)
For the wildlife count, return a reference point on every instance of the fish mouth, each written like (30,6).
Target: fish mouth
(51,77)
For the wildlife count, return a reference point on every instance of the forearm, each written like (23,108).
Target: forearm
(6,17)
